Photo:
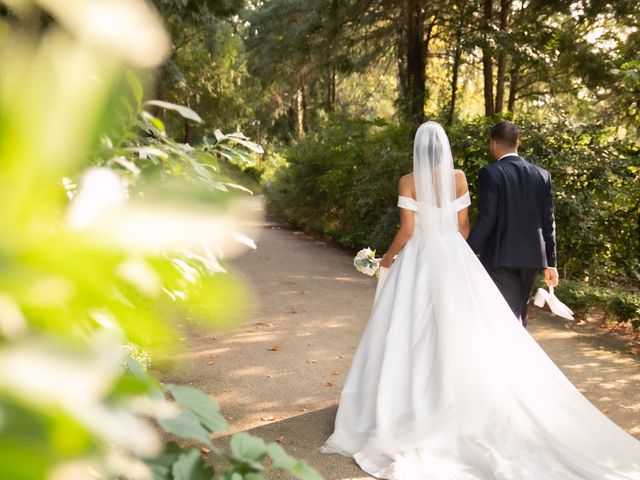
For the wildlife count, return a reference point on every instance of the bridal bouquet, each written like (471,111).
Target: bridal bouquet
(366,262)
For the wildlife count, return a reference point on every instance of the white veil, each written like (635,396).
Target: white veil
(434,179)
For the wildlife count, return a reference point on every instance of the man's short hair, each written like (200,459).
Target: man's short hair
(506,134)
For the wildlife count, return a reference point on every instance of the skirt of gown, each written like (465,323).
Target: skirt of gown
(447,385)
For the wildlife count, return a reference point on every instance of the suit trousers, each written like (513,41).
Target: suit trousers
(516,285)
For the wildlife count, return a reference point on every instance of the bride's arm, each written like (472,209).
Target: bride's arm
(462,187)
(406,227)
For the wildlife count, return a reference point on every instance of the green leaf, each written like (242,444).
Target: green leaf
(242,140)
(201,170)
(186,425)
(298,468)
(153,122)
(247,447)
(136,86)
(190,466)
(281,459)
(186,112)
(162,465)
(201,405)
(136,369)
(303,471)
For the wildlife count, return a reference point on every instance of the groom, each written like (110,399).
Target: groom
(515,231)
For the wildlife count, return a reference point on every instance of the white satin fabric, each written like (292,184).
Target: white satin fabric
(446,384)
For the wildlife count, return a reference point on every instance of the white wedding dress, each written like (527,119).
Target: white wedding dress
(446,384)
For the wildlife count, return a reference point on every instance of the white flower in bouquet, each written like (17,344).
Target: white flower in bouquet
(366,262)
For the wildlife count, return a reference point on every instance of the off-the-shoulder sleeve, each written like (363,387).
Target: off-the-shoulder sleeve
(462,201)
(408,203)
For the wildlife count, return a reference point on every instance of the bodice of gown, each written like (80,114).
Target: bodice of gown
(409,203)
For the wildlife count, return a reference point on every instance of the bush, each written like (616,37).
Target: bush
(618,305)
(596,181)
(341,183)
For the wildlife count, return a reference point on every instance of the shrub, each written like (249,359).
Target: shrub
(341,182)
(618,305)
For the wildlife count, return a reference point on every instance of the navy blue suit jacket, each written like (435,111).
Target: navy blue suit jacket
(515,226)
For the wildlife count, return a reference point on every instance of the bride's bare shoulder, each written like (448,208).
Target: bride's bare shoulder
(406,186)
(461,182)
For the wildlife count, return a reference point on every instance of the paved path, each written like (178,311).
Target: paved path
(280,374)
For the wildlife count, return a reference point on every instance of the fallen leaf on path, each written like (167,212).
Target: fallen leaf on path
(205,450)
(275,348)
(605,410)
(270,418)
(210,363)
(340,356)
(280,439)
(303,409)
(226,390)
(335,373)
(312,360)
(269,376)
(293,309)
(328,384)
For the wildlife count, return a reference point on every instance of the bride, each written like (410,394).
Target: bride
(445,383)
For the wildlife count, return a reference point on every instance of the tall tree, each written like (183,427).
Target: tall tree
(415,61)
(487,57)
(505,6)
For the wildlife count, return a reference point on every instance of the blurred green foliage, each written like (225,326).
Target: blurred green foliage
(109,235)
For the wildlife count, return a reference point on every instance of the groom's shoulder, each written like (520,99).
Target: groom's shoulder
(541,170)
(490,168)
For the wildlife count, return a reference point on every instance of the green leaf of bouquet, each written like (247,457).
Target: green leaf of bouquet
(186,425)
(201,405)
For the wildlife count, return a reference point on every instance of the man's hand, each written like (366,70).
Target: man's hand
(387,261)
(551,276)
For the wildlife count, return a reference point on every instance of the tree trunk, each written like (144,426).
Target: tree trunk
(331,88)
(457,56)
(487,61)
(513,85)
(401,52)
(333,85)
(305,117)
(298,113)
(416,61)
(505,6)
